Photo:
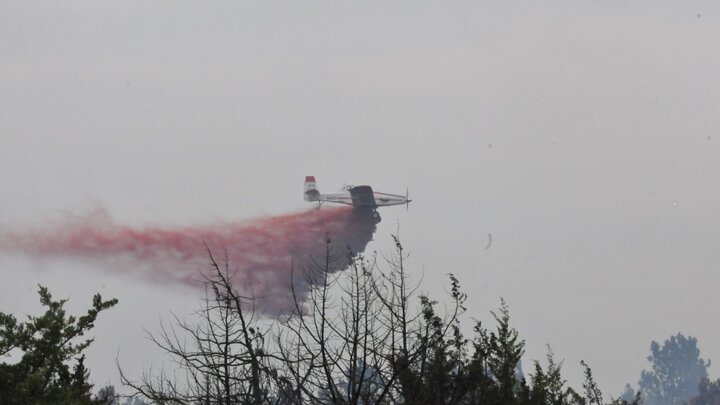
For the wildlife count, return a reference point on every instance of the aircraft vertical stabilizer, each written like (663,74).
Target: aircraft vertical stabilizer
(311,191)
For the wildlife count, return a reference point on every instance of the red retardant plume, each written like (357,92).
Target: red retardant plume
(261,254)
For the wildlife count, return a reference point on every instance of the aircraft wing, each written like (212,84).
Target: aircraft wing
(362,196)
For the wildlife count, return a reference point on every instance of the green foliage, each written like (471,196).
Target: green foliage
(547,385)
(47,344)
(677,370)
(456,370)
(440,373)
(505,351)
(593,395)
(485,388)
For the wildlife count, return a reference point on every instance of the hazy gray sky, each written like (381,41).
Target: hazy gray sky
(582,135)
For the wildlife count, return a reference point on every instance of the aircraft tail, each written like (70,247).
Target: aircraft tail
(311,191)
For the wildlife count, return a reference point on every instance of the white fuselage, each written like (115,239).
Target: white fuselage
(356,196)
(381,199)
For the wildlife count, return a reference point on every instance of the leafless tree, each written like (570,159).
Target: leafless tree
(222,356)
(355,337)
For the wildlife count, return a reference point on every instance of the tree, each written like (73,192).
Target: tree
(358,337)
(709,393)
(435,370)
(224,361)
(629,394)
(107,396)
(593,395)
(47,345)
(505,351)
(358,340)
(677,370)
(353,338)
(628,397)
(547,386)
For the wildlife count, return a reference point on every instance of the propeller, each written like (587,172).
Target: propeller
(407,199)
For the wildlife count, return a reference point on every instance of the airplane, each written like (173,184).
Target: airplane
(357,196)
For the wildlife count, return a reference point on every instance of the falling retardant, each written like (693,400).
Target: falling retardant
(263,255)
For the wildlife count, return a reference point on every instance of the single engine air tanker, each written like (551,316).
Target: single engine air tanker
(361,197)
